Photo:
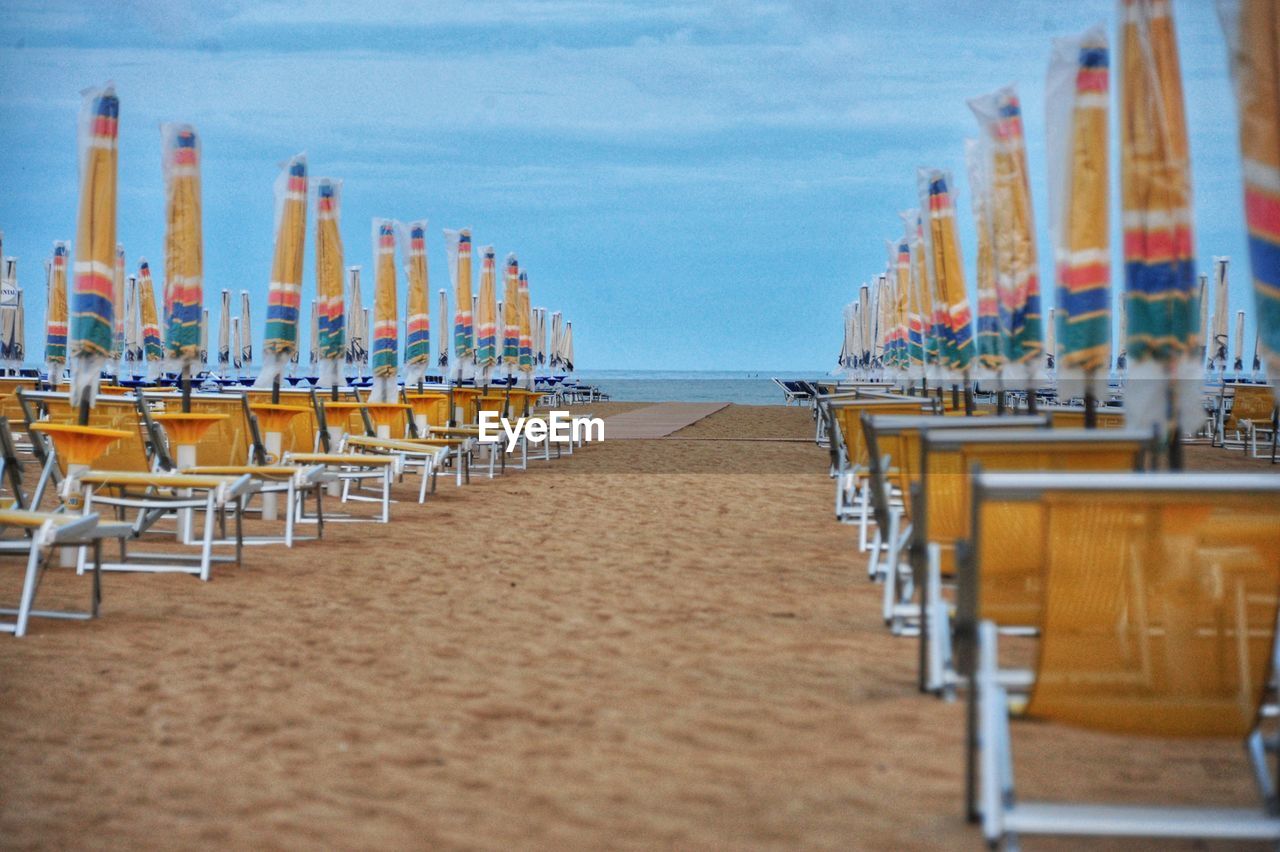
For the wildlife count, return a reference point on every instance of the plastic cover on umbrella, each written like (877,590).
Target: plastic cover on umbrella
(947,271)
(92,309)
(526,328)
(999,116)
(55,340)
(152,344)
(486,351)
(1160,275)
(224,334)
(184,258)
(1079,200)
(458,248)
(386,321)
(284,291)
(132,325)
(417,324)
(511,315)
(442,360)
(1252,28)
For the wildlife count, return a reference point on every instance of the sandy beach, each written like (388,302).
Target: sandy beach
(651,644)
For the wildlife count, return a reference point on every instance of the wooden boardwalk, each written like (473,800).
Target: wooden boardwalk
(657,421)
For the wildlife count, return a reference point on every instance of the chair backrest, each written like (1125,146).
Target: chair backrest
(1160,598)
(301,437)
(949,458)
(898,437)
(845,417)
(226,443)
(12,466)
(110,412)
(1252,402)
(1072,417)
(10,407)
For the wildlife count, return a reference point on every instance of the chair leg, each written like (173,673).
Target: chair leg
(864,515)
(29,583)
(206,546)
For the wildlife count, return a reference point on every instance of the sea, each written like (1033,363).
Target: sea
(737,386)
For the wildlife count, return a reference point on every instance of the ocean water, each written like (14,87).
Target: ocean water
(741,387)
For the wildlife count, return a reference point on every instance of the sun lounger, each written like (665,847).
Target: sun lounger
(1158,619)
(1252,415)
(942,511)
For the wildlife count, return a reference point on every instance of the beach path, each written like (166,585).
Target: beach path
(658,420)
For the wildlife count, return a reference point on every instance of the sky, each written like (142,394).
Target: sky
(695,185)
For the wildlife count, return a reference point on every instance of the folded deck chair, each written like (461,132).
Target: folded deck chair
(1158,619)
(942,510)
(40,533)
(352,470)
(893,455)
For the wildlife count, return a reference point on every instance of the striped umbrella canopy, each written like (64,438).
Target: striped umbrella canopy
(900,272)
(184,251)
(119,307)
(991,331)
(526,326)
(914,331)
(386,319)
(1079,200)
(55,336)
(442,360)
(92,309)
(947,272)
(486,352)
(284,292)
(930,328)
(1253,32)
(353,320)
(999,116)
(458,248)
(224,334)
(1160,276)
(511,314)
(417,338)
(331,347)
(152,344)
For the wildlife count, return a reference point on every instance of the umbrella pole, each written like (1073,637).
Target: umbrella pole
(186,390)
(968,399)
(1002,403)
(82,416)
(955,396)
(1090,410)
(1033,402)
(275,391)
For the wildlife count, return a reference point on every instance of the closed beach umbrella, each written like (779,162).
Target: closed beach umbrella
(568,358)
(442,360)
(10,305)
(1160,279)
(133,324)
(55,336)
(245,348)
(386,321)
(486,352)
(120,307)
(924,295)
(999,116)
(330,305)
(184,252)
(914,326)
(203,358)
(1253,33)
(237,346)
(948,273)
(19,346)
(458,247)
(284,292)
(357,349)
(1221,339)
(1079,201)
(990,344)
(526,328)
(557,331)
(224,334)
(511,315)
(152,344)
(92,309)
(417,324)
